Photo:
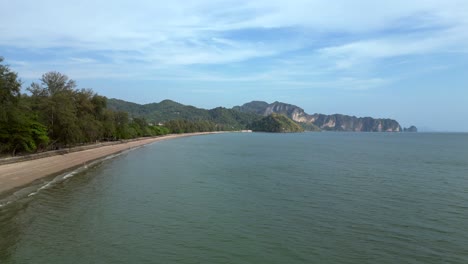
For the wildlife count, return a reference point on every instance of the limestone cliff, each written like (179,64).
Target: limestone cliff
(336,122)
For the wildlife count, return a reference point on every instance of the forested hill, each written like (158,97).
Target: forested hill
(276,123)
(159,112)
(166,110)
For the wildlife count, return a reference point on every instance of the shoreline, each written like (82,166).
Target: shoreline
(16,175)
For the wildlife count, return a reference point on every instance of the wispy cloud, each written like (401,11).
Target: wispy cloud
(349,54)
(82,60)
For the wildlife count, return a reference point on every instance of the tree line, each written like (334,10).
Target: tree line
(54,114)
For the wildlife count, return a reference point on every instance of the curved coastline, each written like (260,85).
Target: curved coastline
(21,174)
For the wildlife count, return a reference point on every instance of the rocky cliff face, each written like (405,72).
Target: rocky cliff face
(262,108)
(295,113)
(336,122)
(339,122)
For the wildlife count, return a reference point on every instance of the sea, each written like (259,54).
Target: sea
(324,197)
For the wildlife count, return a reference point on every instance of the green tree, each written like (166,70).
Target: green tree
(88,113)
(10,87)
(19,131)
(23,134)
(109,125)
(121,122)
(56,106)
(56,114)
(100,104)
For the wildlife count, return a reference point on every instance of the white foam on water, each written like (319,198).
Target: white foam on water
(5,203)
(71,174)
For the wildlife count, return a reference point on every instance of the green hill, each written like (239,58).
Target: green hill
(167,110)
(159,112)
(276,123)
(257,107)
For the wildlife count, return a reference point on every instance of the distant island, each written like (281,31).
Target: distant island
(410,129)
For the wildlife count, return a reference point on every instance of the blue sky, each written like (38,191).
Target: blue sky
(406,60)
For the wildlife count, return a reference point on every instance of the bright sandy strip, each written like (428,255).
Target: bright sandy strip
(22,173)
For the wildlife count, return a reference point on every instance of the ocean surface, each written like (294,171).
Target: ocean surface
(253,198)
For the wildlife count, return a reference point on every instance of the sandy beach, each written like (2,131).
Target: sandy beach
(20,174)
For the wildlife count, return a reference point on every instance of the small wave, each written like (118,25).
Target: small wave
(111,156)
(71,174)
(5,203)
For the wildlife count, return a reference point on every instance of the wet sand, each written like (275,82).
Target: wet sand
(20,174)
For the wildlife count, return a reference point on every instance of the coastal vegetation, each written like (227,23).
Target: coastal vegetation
(56,114)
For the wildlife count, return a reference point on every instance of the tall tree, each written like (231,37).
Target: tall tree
(19,131)
(55,103)
(10,87)
(122,125)
(88,114)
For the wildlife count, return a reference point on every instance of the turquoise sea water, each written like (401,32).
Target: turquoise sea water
(255,198)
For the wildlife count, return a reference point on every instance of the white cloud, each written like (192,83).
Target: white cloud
(147,35)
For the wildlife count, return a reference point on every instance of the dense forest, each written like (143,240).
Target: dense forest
(54,114)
